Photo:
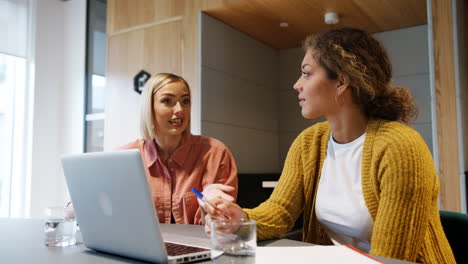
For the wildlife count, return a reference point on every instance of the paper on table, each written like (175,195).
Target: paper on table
(312,254)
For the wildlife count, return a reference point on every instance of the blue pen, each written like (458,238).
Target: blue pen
(201,197)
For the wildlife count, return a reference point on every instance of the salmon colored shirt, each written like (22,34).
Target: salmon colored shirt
(197,162)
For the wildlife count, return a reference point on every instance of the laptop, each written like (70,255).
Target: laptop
(115,210)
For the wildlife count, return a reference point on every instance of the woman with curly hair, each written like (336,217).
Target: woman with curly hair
(363,177)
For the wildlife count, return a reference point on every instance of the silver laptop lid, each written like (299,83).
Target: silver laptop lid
(113,204)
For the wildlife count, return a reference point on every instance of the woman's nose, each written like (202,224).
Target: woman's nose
(178,108)
(297,85)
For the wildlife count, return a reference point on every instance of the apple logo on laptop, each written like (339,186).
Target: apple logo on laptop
(105,203)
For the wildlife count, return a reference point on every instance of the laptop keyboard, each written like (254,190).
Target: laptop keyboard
(178,249)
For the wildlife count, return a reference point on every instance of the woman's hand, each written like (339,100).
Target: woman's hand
(217,190)
(223,208)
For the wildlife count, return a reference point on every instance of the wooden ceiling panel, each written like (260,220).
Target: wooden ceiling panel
(391,14)
(261,18)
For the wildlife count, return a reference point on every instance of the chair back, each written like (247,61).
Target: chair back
(456,229)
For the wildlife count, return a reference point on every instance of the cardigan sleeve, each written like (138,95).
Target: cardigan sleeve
(408,187)
(278,214)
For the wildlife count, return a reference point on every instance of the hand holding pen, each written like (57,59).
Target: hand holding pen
(204,200)
(218,206)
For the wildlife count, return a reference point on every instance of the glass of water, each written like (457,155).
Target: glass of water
(235,237)
(60,226)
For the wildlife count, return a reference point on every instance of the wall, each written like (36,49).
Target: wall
(291,122)
(238,70)
(155,35)
(409,54)
(58,98)
(129,51)
(239,95)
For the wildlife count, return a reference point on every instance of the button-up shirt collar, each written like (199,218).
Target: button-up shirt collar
(151,151)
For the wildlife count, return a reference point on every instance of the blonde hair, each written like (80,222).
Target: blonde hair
(156,82)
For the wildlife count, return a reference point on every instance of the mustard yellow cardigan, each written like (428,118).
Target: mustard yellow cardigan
(399,184)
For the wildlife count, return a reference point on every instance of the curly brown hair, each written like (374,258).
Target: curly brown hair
(361,59)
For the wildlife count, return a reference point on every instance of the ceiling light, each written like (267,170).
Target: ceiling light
(284,25)
(331,18)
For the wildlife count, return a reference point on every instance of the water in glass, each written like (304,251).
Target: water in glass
(60,228)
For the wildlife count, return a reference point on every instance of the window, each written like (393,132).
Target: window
(12,74)
(14,106)
(96,79)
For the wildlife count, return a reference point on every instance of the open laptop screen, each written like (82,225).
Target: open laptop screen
(114,207)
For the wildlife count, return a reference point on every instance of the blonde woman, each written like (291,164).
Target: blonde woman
(363,177)
(175,160)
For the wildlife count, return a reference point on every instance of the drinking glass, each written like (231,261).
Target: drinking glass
(60,226)
(235,237)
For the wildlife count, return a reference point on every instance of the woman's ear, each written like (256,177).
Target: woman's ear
(342,85)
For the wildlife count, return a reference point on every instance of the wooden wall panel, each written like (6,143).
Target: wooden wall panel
(155,35)
(462,25)
(447,130)
(125,14)
(162,50)
(150,49)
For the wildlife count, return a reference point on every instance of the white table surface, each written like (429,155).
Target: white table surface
(21,241)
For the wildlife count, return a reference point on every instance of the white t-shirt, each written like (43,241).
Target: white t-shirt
(340,205)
